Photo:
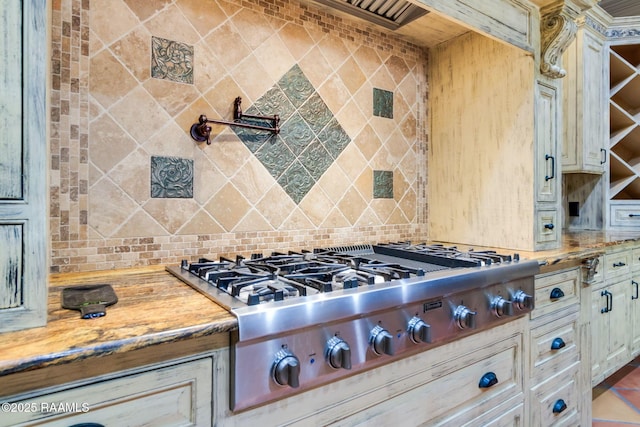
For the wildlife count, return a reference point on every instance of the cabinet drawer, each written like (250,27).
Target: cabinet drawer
(554,345)
(167,396)
(635,259)
(625,215)
(617,264)
(547,226)
(556,291)
(556,401)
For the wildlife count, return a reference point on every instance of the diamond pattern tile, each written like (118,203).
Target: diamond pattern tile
(310,137)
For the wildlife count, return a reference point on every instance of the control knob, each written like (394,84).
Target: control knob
(523,300)
(465,317)
(286,369)
(501,307)
(419,331)
(381,341)
(338,353)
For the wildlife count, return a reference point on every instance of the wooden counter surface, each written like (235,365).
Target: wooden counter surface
(153,308)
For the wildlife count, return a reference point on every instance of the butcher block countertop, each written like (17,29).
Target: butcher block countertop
(157,317)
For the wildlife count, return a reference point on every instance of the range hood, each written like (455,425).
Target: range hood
(391,14)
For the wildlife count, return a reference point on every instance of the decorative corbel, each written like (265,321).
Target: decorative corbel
(558,28)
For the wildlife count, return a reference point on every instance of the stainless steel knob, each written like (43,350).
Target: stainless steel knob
(501,307)
(464,317)
(338,353)
(419,331)
(381,341)
(286,369)
(523,300)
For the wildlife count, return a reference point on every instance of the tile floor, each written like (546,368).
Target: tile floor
(616,401)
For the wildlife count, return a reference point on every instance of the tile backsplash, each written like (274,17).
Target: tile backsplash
(128,185)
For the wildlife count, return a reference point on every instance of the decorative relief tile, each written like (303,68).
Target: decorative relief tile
(382,103)
(171,60)
(171,177)
(382,184)
(310,137)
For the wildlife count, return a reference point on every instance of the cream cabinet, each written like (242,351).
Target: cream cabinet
(634,303)
(23,165)
(610,315)
(624,134)
(555,360)
(178,394)
(585,148)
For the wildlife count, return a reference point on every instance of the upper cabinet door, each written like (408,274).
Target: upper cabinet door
(23,167)
(547,161)
(585,96)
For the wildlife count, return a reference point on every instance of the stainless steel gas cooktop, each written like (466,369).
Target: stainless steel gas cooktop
(312,317)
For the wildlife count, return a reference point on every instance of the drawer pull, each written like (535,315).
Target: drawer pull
(634,215)
(557,344)
(619,264)
(559,406)
(549,226)
(488,380)
(556,293)
(635,285)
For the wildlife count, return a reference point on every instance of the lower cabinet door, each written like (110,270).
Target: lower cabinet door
(178,395)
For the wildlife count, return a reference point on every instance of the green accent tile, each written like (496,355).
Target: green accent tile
(296,181)
(171,60)
(383,184)
(171,177)
(310,137)
(382,103)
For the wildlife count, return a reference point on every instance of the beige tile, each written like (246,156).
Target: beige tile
(222,39)
(368,142)
(296,39)
(228,207)
(397,67)
(251,76)
(368,59)
(397,217)
(207,70)
(383,208)
(335,219)
(254,28)
(110,20)
(368,218)
(253,180)
(203,15)
(109,81)
(334,183)
(171,96)
(397,147)
(351,118)
(408,127)
(296,221)
(140,224)
(109,207)
(190,115)
(352,205)
(334,93)
(276,206)
(229,155)
(200,223)
(272,48)
(108,144)
(408,205)
(352,162)
(316,205)
(409,88)
(132,175)
(134,51)
(382,160)
(138,114)
(171,24)
(334,50)
(351,75)
(171,214)
(170,140)
(146,8)
(207,179)
(221,97)
(253,221)
(364,184)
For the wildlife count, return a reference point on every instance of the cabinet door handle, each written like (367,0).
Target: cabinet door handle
(604,156)
(608,307)
(87,425)
(553,167)
(619,264)
(559,406)
(635,285)
(557,344)
(634,215)
(488,380)
(556,293)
